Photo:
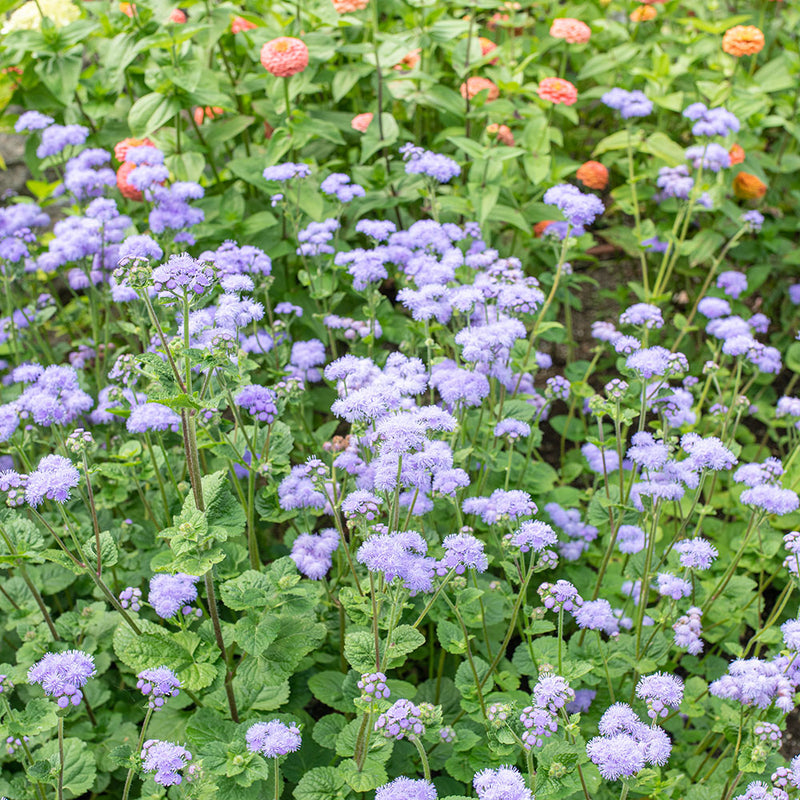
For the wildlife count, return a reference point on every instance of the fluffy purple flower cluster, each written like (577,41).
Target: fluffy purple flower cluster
(403,719)
(374,687)
(338,184)
(559,596)
(170,594)
(711,121)
(182,273)
(406,789)
(258,401)
(158,684)
(165,760)
(688,629)
(755,682)
(580,209)
(626,745)
(273,739)
(629,104)
(434,165)
(63,675)
(500,504)
(313,553)
(661,692)
(503,783)
(400,555)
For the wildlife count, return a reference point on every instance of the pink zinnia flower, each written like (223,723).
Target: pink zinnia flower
(284,56)
(557,90)
(472,86)
(240,24)
(177,16)
(360,122)
(572,30)
(349,6)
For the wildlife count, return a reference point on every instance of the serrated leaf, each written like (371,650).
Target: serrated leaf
(320,783)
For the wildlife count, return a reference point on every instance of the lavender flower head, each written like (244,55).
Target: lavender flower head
(338,184)
(533,535)
(434,165)
(661,692)
(462,551)
(258,401)
(157,685)
(503,783)
(361,503)
(63,675)
(286,171)
(313,553)
(130,597)
(170,594)
(512,428)
(165,759)
(273,739)
(688,629)
(401,720)
(183,273)
(53,479)
(697,553)
(539,724)
(406,789)
(580,209)
(642,314)
(629,104)
(32,121)
(561,595)
(373,687)
(711,121)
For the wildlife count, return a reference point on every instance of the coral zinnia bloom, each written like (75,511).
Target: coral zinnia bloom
(736,154)
(349,6)
(743,40)
(593,175)
(128,9)
(240,24)
(571,30)
(476,84)
(201,113)
(125,188)
(178,16)
(121,148)
(557,90)
(284,56)
(360,122)
(409,61)
(502,132)
(540,227)
(748,187)
(643,14)
(487,45)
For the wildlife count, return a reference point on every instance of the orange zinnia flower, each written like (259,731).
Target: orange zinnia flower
(557,90)
(178,16)
(540,227)
(284,56)
(125,188)
(240,24)
(121,148)
(409,61)
(736,154)
(502,132)
(748,187)
(743,40)
(349,6)
(643,14)
(472,86)
(571,30)
(210,111)
(128,9)
(360,122)
(593,175)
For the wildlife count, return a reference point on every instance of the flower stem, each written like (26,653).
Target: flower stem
(60,758)
(129,776)
(426,767)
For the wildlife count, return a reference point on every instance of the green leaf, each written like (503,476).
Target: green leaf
(185,653)
(37,716)
(220,131)
(108,549)
(368,779)
(326,686)
(150,112)
(359,650)
(451,637)
(79,765)
(328,729)
(661,146)
(320,783)
(255,635)
(371,141)
(207,726)
(249,590)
